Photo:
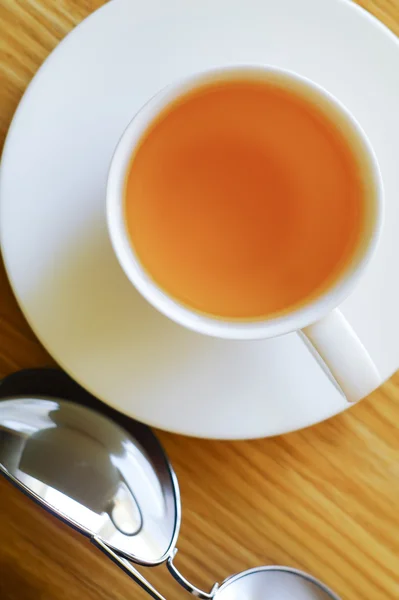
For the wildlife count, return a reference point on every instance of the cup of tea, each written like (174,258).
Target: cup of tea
(245,203)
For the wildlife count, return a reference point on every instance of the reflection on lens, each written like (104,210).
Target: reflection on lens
(273,583)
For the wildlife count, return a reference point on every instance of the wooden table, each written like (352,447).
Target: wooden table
(324,500)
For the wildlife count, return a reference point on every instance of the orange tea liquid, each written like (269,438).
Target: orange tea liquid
(243,201)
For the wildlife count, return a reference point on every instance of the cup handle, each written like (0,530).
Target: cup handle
(344,354)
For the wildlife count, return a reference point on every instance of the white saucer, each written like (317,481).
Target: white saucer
(53,233)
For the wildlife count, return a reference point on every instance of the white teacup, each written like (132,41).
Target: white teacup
(319,320)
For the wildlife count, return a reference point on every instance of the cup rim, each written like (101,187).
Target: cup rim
(298,318)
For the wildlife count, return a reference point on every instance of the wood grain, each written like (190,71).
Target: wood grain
(324,499)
